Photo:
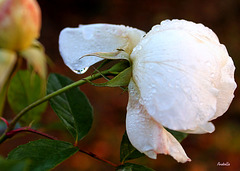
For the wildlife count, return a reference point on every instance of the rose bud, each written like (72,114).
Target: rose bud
(20,23)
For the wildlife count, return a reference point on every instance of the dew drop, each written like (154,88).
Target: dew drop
(139,47)
(177,83)
(156,28)
(124,34)
(212,75)
(81,71)
(141,101)
(145,41)
(186,89)
(170,85)
(208,64)
(154,90)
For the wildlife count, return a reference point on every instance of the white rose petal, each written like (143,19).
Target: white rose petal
(227,86)
(147,135)
(77,42)
(181,76)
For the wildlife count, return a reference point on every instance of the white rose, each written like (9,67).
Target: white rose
(182,78)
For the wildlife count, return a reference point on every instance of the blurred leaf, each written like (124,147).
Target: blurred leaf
(127,151)
(25,88)
(122,79)
(3,94)
(44,154)
(7,61)
(72,106)
(178,135)
(35,56)
(14,165)
(133,167)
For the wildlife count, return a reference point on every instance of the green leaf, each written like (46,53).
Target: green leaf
(122,79)
(25,88)
(14,165)
(72,106)
(133,167)
(127,151)
(44,154)
(178,135)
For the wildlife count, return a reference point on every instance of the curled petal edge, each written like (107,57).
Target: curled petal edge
(147,135)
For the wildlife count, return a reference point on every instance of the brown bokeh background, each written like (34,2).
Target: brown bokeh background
(222,16)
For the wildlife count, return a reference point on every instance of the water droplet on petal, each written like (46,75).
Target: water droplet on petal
(145,41)
(141,101)
(208,63)
(139,47)
(156,28)
(186,89)
(177,83)
(124,34)
(81,71)
(170,85)
(154,90)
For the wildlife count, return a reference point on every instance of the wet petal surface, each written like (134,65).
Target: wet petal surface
(147,135)
(77,42)
(179,74)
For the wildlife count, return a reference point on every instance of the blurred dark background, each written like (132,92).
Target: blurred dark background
(222,16)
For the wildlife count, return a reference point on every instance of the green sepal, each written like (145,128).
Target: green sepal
(120,66)
(120,54)
(122,79)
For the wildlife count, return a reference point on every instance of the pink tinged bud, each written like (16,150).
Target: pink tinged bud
(20,23)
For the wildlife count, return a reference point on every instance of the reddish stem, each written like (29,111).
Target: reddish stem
(5,121)
(98,158)
(27,129)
